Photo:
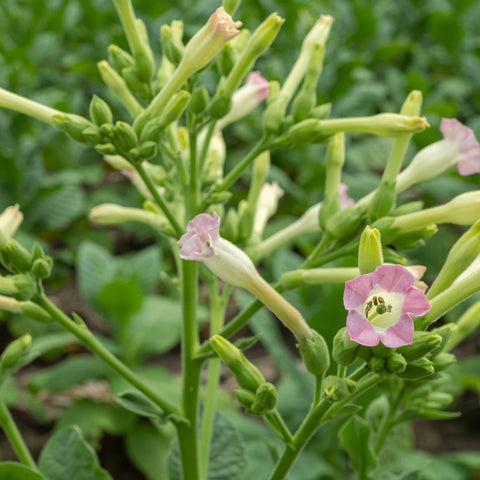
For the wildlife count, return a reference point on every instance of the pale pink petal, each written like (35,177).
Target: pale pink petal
(260,84)
(205,224)
(193,248)
(345,200)
(393,278)
(361,330)
(358,290)
(415,303)
(468,146)
(399,334)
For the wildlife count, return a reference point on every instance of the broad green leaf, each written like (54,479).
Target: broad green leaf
(68,456)
(147,447)
(355,438)
(138,403)
(96,418)
(143,265)
(16,471)
(120,299)
(95,268)
(156,327)
(68,373)
(227,458)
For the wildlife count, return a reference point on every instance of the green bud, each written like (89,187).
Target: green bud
(230,6)
(439,400)
(226,59)
(304,132)
(92,136)
(364,352)
(370,253)
(392,256)
(383,201)
(303,104)
(200,100)
(148,150)
(377,364)
(14,352)
(466,325)
(74,126)
(106,149)
(35,312)
(100,112)
(135,83)
(446,331)
(396,363)
(345,222)
(119,58)
(106,130)
(344,351)
(15,257)
(315,354)
(220,197)
(418,369)
(264,35)
(412,238)
(266,398)
(133,155)
(336,388)
(406,208)
(443,360)
(219,106)
(152,131)
(175,107)
(25,288)
(422,344)
(145,63)
(41,268)
(245,220)
(230,226)
(124,137)
(274,114)
(245,397)
(246,373)
(172,46)
(321,112)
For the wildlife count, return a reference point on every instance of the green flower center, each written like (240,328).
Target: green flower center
(383,311)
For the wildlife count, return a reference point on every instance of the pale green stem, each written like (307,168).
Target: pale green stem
(28,107)
(217,310)
(194,183)
(278,425)
(127,16)
(205,145)
(87,338)
(317,276)
(14,437)
(158,198)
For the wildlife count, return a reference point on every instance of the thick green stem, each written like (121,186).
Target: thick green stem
(158,198)
(187,433)
(87,338)
(14,437)
(316,417)
(278,425)
(216,321)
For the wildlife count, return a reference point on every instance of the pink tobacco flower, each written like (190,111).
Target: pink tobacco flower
(245,99)
(381,305)
(459,147)
(345,200)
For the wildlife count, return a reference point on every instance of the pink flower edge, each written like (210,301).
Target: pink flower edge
(202,234)
(262,85)
(468,145)
(345,200)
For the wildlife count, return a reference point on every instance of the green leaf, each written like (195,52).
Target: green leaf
(355,438)
(156,327)
(147,447)
(68,455)
(143,265)
(95,268)
(227,458)
(120,299)
(16,471)
(68,373)
(95,418)
(138,403)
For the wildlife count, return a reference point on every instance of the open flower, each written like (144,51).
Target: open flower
(381,305)
(345,200)
(459,147)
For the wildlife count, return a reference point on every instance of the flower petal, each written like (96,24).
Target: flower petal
(357,291)
(393,278)
(361,330)
(205,225)
(416,303)
(399,334)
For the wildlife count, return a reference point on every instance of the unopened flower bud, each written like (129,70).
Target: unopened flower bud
(172,47)
(10,220)
(422,344)
(315,354)
(41,268)
(219,106)
(466,325)
(124,137)
(266,206)
(377,364)
(321,112)
(15,257)
(418,369)
(443,360)
(396,363)
(344,351)
(274,114)
(370,253)
(106,149)
(266,398)
(77,127)
(345,221)
(336,388)
(14,352)
(147,150)
(245,397)
(199,100)
(175,107)
(446,332)
(119,58)
(246,373)
(100,112)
